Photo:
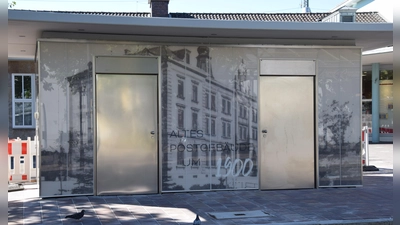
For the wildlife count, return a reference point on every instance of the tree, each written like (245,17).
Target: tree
(11,4)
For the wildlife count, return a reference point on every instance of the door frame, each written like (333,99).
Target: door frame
(303,67)
(136,68)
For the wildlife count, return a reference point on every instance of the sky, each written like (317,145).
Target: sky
(195,6)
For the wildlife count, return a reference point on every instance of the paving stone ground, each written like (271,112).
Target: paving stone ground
(371,202)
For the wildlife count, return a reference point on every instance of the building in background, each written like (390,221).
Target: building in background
(377,78)
(22,93)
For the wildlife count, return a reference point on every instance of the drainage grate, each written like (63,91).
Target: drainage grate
(237,215)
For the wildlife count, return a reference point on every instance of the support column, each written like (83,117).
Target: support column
(375,103)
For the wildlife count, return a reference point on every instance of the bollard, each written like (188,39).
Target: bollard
(366,144)
(367,167)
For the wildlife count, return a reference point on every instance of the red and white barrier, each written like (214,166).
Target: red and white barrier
(22,160)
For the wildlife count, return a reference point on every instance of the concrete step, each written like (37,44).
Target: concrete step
(15,187)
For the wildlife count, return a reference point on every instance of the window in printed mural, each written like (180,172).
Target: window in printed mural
(207,126)
(254,133)
(194,93)
(254,118)
(242,111)
(226,129)
(180,155)
(195,153)
(207,100)
(187,57)
(207,162)
(226,106)
(213,104)
(181,89)
(213,157)
(213,127)
(194,120)
(181,118)
(242,132)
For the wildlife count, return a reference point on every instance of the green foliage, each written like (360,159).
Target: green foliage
(11,4)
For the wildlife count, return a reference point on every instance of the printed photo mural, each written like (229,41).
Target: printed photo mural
(339,117)
(209,102)
(67,115)
(66,120)
(209,111)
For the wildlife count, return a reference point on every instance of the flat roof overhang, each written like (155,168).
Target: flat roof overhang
(26,27)
(383,56)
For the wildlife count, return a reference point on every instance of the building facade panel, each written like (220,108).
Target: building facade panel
(339,118)
(209,110)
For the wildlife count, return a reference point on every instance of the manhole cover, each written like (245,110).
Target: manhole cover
(240,214)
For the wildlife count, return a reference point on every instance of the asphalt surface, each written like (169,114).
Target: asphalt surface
(370,204)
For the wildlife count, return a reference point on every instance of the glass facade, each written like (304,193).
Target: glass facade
(209,103)
(385,102)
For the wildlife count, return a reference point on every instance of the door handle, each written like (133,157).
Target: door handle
(152,132)
(264,132)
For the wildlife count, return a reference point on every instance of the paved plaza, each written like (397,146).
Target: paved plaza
(370,204)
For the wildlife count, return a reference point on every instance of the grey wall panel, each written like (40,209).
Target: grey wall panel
(126,65)
(287,67)
(350,76)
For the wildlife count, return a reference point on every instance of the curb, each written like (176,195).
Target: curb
(388,221)
(15,187)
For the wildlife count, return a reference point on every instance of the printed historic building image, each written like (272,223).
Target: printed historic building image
(210,136)
(205,122)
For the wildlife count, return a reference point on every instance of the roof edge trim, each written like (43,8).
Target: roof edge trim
(47,17)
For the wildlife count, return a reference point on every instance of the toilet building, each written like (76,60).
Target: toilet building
(157,105)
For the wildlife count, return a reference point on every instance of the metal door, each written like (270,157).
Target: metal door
(126,134)
(287,132)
